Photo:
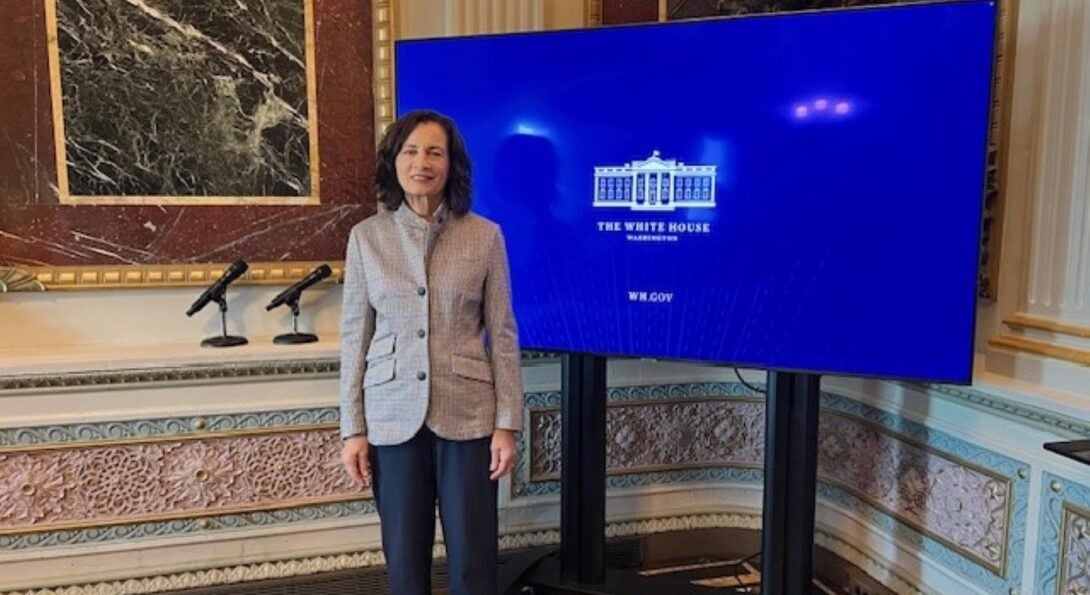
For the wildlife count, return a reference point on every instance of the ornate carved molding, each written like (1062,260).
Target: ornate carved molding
(1035,416)
(1075,551)
(12,279)
(384,30)
(593,13)
(51,489)
(961,505)
(369,558)
(881,491)
(173,275)
(662,436)
(169,428)
(197,374)
(965,506)
(1064,541)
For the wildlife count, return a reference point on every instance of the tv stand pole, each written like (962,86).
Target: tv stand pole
(583,468)
(579,565)
(791,431)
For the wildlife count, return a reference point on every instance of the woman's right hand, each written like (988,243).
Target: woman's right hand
(354,457)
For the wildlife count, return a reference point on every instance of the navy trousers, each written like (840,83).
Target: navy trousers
(408,479)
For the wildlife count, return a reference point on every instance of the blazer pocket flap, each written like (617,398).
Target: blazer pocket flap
(379,373)
(381,346)
(471,368)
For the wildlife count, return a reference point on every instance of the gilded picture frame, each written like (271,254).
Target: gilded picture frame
(52,238)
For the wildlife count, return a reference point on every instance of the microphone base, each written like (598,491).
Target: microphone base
(294,338)
(224,341)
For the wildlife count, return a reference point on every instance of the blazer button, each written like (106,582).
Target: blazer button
(421,333)
(421,290)
(421,375)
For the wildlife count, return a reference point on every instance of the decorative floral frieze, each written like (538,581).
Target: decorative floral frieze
(959,504)
(1075,552)
(50,488)
(652,437)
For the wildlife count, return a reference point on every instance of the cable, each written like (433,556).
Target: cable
(748,385)
(741,566)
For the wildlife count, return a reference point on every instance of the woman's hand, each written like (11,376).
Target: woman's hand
(503,453)
(354,457)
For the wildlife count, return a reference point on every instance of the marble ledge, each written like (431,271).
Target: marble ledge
(98,358)
(1058,401)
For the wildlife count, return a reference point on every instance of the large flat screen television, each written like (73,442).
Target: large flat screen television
(796,192)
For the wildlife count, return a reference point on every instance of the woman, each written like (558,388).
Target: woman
(428,412)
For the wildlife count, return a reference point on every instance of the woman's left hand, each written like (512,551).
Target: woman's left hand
(503,453)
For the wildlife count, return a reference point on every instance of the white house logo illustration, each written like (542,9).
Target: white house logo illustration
(655,184)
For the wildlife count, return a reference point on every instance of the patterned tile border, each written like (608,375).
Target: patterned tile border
(1063,545)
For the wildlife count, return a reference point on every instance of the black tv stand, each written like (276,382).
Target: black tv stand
(790,481)
(787,534)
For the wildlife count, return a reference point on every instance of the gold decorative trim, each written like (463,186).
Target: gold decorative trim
(63,192)
(310,25)
(173,275)
(592,14)
(188,437)
(1005,47)
(53,53)
(12,279)
(1071,354)
(1069,510)
(383,31)
(1020,321)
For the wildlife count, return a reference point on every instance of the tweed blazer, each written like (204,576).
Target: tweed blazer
(420,299)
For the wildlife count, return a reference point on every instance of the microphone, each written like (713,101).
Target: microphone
(232,272)
(291,294)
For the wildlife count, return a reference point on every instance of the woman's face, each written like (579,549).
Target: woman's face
(424,162)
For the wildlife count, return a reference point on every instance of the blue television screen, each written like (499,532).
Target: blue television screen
(797,192)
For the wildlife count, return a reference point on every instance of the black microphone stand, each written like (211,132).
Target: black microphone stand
(294,337)
(224,340)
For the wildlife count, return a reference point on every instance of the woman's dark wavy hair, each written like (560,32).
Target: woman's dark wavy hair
(458,193)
